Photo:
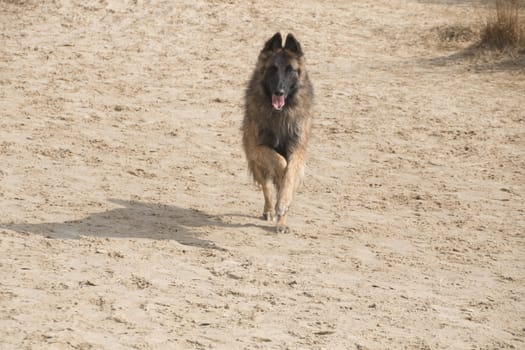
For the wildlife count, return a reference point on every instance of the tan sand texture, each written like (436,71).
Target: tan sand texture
(128,219)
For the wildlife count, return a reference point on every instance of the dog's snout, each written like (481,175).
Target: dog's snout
(279,92)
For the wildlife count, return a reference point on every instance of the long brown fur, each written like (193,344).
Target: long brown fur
(280,168)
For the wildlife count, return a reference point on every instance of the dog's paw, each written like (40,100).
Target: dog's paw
(282,229)
(268,216)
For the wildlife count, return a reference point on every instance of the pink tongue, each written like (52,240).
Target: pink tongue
(278,102)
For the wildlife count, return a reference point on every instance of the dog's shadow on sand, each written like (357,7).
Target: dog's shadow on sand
(136,220)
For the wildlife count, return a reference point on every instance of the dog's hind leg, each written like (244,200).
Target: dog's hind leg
(269,211)
(263,178)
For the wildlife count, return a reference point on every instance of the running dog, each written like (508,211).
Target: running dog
(277,124)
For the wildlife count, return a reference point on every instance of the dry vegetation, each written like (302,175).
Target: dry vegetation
(505,29)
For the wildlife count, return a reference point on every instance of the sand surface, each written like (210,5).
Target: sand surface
(128,219)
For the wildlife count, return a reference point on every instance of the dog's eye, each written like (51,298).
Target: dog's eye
(289,69)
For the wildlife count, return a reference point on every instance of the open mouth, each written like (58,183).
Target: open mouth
(278,102)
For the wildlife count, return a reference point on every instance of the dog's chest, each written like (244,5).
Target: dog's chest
(280,136)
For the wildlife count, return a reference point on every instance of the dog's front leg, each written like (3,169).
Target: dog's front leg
(268,167)
(287,188)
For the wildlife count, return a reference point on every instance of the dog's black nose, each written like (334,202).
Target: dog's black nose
(279,92)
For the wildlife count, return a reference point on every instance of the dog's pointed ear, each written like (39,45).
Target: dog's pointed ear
(275,42)
(293,45)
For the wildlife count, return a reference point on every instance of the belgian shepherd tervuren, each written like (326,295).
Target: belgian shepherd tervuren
(277,123)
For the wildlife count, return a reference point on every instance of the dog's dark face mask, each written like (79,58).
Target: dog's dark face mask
(281,75)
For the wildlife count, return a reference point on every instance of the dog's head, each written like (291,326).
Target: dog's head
(282,69)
